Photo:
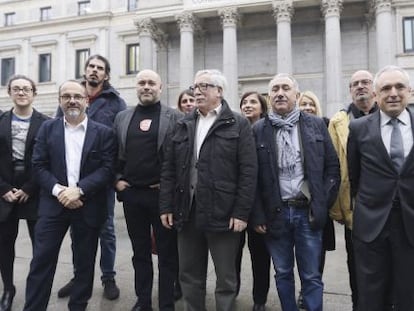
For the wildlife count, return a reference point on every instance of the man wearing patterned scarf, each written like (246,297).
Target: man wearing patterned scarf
(298,182)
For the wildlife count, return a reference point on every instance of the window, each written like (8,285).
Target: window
(45,66)
(81,57)
(132,58)
(132,5)
(7,69)
(84,7)
(408,34)
(45,13)
(9,18)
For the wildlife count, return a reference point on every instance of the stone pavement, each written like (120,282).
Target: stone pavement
(336,292)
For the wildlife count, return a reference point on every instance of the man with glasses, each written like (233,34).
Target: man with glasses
(363,103)
(381,173)
(73,161)
(104,105)
(208,183)
(141,132)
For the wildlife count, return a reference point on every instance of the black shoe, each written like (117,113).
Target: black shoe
(258,307)
(138,307)
(300,301)
(7,299)
(111,291)
(177,291)
(66,290)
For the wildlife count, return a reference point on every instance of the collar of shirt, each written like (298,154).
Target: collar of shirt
(214,112)
(83,125)
(403,117)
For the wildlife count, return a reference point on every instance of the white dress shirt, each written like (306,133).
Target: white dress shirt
(204,124)
(74,139)
(405,128)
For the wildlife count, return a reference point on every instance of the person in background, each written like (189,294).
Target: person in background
(18,189)
(73,162)
(254,106)
(298,179)
(186,101)
(309,102)
(363,103)
(104,105)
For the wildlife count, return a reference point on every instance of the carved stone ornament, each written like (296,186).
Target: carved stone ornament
(380,6)
(283,10)
(331,7)
(187,21)
(145,26)
(229,16)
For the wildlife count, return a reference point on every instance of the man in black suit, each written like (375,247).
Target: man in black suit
(73,161)
(381,173)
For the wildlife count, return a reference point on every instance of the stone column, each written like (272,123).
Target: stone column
(145,28)
(229,18)
(331,10)
(186,23)
(283,11)
(385,39)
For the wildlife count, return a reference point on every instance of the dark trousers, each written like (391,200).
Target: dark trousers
(350,260)
(8,235)
(385,266)
(141,212)
(260,259)
(49,233)
(193,248)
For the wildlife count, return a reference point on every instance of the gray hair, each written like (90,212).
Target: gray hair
(216,76)
(284,75)
(388,69)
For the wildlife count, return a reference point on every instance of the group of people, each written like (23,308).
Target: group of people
(200,178)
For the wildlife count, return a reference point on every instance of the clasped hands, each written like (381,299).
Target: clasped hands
(16,195)
(69,197)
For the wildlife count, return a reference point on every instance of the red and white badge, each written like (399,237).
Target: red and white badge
(145,125)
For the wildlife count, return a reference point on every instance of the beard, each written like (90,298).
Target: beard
(93,82)
(73,113)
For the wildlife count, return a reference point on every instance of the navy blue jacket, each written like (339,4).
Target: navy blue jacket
(96,171)
(321,167)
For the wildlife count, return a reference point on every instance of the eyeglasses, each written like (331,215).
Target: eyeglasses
(201,86)
(364,82)
(26,90)
(66,97)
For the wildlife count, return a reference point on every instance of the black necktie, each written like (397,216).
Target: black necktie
(396,145)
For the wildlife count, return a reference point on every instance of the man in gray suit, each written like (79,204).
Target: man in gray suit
(381,173)
(141,132)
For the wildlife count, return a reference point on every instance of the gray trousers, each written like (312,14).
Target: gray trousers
(193,248)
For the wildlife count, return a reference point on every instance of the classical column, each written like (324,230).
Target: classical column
(145,28)
(229,18)
(331,10)
(283,11)
(186,23)
(385,40)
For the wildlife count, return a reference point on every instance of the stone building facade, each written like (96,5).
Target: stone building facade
(321,42)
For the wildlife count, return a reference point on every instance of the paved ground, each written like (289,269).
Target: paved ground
(336,293)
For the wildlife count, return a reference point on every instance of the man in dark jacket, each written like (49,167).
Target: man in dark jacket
(104,105)
(298,180)
(208,182)
(141,132)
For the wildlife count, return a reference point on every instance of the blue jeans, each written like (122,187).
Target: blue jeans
(297,238)
(108,241)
